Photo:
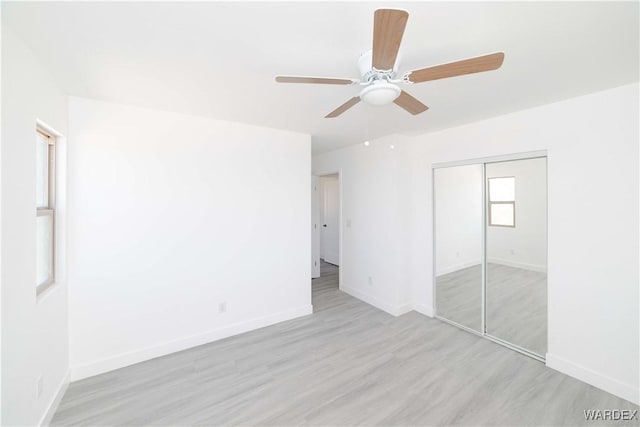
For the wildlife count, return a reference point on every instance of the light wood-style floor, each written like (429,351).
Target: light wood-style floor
(347,364)
(517,306)
(516,303)
(459,296)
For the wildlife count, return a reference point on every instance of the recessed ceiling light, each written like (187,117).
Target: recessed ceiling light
(392,146)
(366,143)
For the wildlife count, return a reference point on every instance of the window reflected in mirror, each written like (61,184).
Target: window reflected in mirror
(502,201)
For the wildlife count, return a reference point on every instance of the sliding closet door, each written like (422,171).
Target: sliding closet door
(516,253)
(458,197)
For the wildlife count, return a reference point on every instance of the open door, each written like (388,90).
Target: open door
(330,219)
(315,227)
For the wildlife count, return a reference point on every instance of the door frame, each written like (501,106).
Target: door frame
(321,173)
(315,231)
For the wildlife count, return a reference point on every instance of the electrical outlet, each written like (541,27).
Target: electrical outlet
(348,223)
(457,254)
(513,252)
(222,307)
(39,386)
(370,281)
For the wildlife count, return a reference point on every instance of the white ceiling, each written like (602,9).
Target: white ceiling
(220,59)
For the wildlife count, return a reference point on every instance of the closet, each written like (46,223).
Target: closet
(490,249)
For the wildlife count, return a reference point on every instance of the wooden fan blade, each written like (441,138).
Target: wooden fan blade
(388,28)
(315,80)
(410,104)
(344,107)
(458,68)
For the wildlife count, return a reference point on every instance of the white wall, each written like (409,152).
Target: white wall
(592,146)
(373,221)
(34,329)
(525,245)
(458,204)
(0,217)
(173,215)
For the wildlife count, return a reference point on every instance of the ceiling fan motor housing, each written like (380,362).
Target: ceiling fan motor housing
(379,90)
(368,73)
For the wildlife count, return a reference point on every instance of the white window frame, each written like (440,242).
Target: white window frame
(49,209)
(510,202)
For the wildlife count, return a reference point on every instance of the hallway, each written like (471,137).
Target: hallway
(325,288)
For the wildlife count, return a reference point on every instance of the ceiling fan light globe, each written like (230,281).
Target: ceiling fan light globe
(380,93)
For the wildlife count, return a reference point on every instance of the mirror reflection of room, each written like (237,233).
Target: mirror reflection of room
(458,249)
(516,250)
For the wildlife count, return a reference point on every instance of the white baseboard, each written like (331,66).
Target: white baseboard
(402,309)
(608,384)
(424,309)
(517,264)
(55,402)
(125,359)
(394,310)
(456,267)
(331,258)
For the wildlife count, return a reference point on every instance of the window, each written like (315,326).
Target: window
(502,201)
(45,209)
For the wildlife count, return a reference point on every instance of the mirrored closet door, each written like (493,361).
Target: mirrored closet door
(458,253)
(516,249)
(490,250)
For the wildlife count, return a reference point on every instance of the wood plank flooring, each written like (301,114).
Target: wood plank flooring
(517,306)
(459,296)
(347,364)
(516,303)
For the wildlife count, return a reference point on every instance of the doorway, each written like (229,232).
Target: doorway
(330,219)
(326,236)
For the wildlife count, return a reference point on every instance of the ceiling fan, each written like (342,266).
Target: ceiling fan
(378,68)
